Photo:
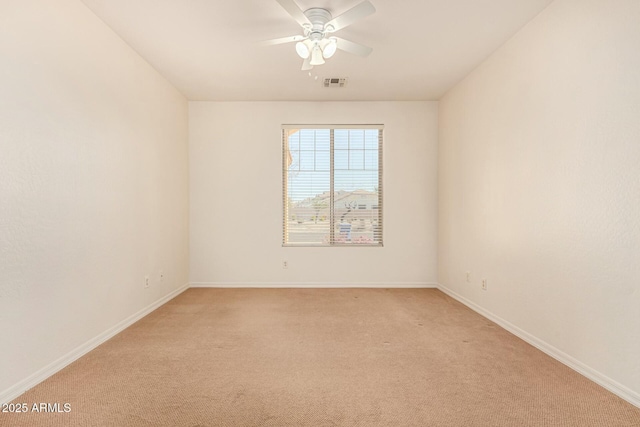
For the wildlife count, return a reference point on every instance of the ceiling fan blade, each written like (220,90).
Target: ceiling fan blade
(306,64)
(282,40)
(354,48)
(294,10)
(352,15)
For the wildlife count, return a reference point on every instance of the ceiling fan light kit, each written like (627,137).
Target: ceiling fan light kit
(317,44)
(316,56)
(303,50)
(330,48)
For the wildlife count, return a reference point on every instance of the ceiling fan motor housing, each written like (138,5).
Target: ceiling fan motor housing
(318,18)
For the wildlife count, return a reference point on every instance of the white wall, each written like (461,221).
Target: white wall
(236,196)
(93,184)
(539,186)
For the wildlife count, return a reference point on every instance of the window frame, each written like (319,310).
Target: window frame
(332,215)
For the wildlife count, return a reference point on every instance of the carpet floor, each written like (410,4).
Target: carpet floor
(319,357)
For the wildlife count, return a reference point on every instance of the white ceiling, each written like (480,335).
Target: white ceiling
(209,49)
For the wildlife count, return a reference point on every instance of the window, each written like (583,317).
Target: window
(332,185)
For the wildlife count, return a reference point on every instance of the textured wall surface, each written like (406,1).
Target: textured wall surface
(539,184)
(93,183)
(236,195)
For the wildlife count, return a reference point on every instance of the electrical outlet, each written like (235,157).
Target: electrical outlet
(468,277)
(146,281)
(285,264)
(484,284)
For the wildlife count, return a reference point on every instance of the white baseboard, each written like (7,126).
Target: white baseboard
(313,285)
(595,376)
(21,387)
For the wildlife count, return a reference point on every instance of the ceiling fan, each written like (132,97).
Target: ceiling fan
(318,43)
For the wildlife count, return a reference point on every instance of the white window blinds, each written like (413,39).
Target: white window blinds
(332,185)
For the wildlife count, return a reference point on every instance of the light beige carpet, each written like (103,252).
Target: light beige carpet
(320,357)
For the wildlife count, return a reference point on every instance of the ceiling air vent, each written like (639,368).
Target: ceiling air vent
(335,82)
